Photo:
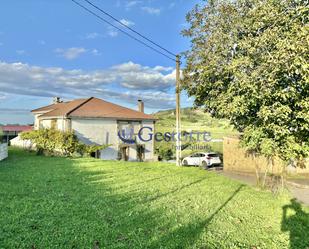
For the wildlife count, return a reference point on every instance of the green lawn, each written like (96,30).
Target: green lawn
(50,202)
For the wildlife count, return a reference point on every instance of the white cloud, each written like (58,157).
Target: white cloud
(136,76)
(127,22)
(152,11)
(130,4)
(128,81)
(92,35)
(152,99)
(20,52)
(13,111)
(95,52)
(112,32)
(3,96)
(70,53)
(161,68)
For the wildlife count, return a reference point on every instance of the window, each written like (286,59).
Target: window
(213,155)
(53,124)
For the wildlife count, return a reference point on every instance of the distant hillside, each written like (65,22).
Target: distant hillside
(195,120)
(191,120)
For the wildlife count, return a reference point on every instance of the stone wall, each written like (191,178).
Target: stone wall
(236,159)
(3,151)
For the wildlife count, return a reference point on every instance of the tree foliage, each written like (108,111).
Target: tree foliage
(55,142)
(1,135)
(249,62)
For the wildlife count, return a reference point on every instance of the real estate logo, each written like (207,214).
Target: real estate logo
(127,135)
(146,134)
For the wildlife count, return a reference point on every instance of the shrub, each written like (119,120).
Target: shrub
(1,135)
(164,151)
(55,142)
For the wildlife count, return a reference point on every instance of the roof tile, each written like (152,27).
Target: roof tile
(92,108)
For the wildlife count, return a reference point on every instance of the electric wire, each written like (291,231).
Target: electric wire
(122,31)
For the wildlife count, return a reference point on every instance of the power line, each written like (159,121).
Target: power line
(128,27)
(122,31)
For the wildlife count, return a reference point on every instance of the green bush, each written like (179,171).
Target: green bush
(1,135)
(164,151)
(55,142)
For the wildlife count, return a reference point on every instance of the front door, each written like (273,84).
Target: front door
(125,153)
(140,149)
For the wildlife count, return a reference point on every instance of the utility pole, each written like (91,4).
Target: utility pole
(178,126)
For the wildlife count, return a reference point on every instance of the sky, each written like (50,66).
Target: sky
(55,48)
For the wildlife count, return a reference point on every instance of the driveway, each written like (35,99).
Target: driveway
(299,188)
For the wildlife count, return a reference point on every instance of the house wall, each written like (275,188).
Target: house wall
(236,159)
(105,131)
(99,132)
(62,124)
(45,123)
(36,122)
(149,146)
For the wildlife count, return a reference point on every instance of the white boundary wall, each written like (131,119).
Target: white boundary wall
(3,151)
(18,142)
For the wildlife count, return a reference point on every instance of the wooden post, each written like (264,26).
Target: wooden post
(178,127)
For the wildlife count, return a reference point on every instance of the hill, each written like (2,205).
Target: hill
(191,120)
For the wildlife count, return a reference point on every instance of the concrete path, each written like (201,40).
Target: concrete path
(299,188)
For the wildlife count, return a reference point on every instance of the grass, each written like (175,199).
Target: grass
(50,202)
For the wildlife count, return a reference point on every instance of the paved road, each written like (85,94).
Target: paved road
(299,188)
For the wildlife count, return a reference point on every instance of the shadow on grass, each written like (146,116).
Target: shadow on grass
(180,188)
(53,203)
(297,224)
(187,235)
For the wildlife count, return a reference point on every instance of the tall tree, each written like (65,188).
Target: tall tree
(249,62)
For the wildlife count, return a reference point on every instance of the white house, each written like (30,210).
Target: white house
(95,121)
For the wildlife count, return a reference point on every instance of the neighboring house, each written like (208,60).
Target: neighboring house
(12,131)
(95,121)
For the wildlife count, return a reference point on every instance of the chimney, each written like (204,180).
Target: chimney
(140,105)
(56,100)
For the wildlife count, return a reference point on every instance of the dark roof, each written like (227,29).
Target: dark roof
(18,128)
(62,106)
(92,108)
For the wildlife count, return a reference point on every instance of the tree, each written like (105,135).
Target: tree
(249,62)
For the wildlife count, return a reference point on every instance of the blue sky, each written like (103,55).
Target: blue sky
(55,48)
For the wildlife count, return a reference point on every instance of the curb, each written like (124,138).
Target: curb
(297,185)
